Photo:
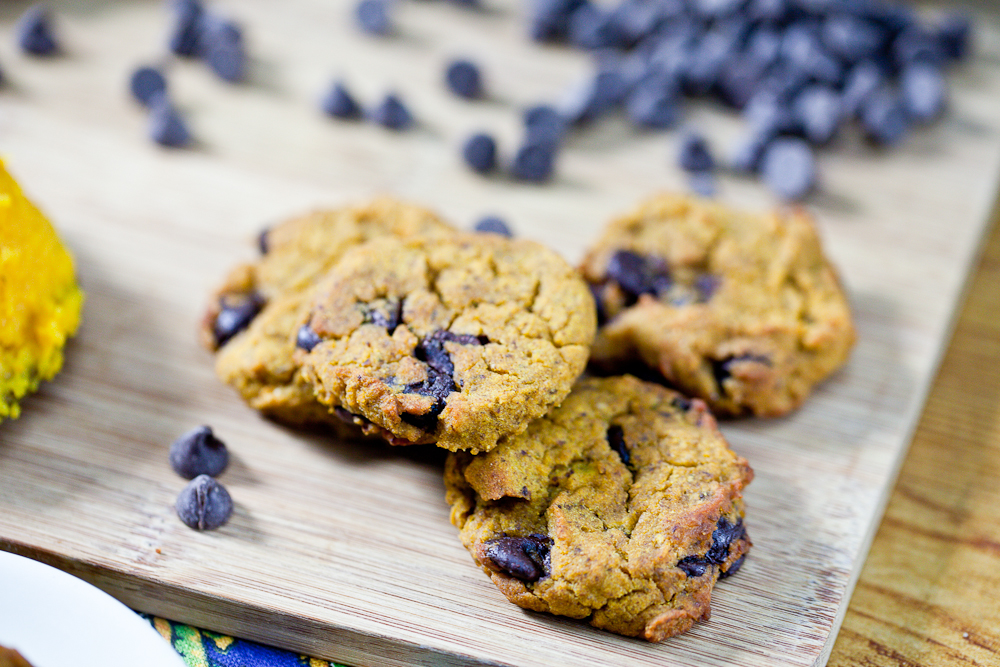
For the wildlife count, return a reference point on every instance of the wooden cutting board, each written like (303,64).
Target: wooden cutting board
(344,551)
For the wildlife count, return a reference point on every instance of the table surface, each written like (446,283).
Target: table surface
(928,592)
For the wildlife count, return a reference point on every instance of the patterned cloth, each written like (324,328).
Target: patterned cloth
(201,648)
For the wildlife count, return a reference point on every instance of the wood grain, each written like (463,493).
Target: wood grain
(345,552)
(928,591)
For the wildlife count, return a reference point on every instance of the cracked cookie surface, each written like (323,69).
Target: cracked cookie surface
(740,309)
(252,319)
(623,507)
(456,340)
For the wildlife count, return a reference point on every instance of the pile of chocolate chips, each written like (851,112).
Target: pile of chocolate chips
(797,70)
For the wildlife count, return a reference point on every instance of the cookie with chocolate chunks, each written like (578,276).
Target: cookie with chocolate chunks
(623,507)
(253,320)
(457,340)
(740,309)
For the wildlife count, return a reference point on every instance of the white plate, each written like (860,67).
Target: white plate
(54,619)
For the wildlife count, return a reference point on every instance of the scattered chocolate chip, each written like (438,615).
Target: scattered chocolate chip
(702,183)
(534,162)
(524,558)
(306,338)
(391,320)
(185,33)
(221,46)
(884,119)
(922,90)
(34,32)
(463,79)
(491,224)
(146,83)
(863,80)
(198,452)
(235,315)
(372,16)
(789,168)
(166,126)
(204,504)
(339,103)
(820,111)
(392,113)
(955,35)
(654,104)
(721,367)
(480,153)
(694,154)
(548,20)
(262,241)
(616,438)
(853,38)
(543,125)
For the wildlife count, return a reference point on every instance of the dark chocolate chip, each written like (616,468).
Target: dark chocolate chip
(534,162)
(820,112)
(543,125)
(524,558)
(788,166)
(493,225)
(749,151)
(682,403)
(221,46)
(480,153)
(339,103)
(884,118)
(654,103)
(204,504)
(638,275)
(392,113)
(693,566)
(145,83)
(428,420)
(594,27)
(34,32)
(372,16)
(262,241)
(235,315)
(548,20)
(955,35)
(463,79)
(694,154)
(918,44)
(734,568)
(391,320)
(306,338)
(721,367)
(616,438)
(166,126)
(702,183)
(922,89)
(440,380)
(198,452)
(185,33)
(862,81)
(852,38)
(723,536)
(706,284)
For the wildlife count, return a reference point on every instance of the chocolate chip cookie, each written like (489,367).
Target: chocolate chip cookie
(253,319)
(623,507)
(457,340)
(740,309)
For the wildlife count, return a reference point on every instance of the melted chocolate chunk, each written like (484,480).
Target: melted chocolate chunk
(306,338)
(616,438)
(723,536)
(734,568)
(638,275)
(721,367)
(440,380)
(235,315)
(524,558)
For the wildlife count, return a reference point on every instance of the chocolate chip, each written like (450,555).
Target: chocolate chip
(789,168)
(235,315)
(594,96)
(682,403)
(372,16)
(723,536)
(733,568)
(391,320)
(262,241)
(749,151)
(863,80)
(480,153)
(392,113)
(204,504)
(922,89)
(463,79)
(702,183)
(721,367)
(884,119)
(706,284)
(306,338)
(534,162)
(145,83)
(694,154)
(198,452)
(339,103)
(524,558)
(184,36)
(543,125)
(654,103)
(440,380)
(221,46)
(548,20)
(955,35)
(166,126)
(493,225)
(616,438)
(852,38)
(593,27)
(638,275)
(820,111)
(34,32)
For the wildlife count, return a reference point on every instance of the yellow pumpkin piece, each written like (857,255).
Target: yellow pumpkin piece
(40,301)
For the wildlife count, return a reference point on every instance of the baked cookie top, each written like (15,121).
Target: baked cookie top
(740,309)
(456,340)
(252,319)
(622,506)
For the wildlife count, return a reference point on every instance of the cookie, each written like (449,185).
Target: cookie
(252,320)
(622,507)
(40,301)
(739,309)
(456,340)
